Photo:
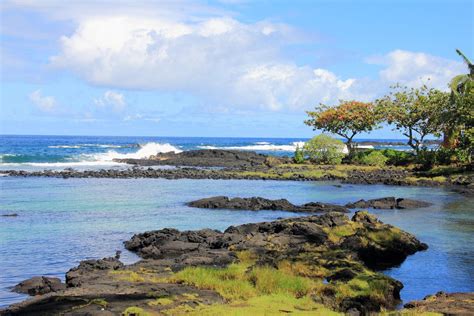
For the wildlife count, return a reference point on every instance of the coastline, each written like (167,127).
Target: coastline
(350,174)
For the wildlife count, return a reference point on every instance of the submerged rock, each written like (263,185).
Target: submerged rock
(389,203)
(259,203)
(39,285)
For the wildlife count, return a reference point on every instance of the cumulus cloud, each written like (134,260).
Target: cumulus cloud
(111,99)
(44,103)
(415,68)
(220,59)
(177,46)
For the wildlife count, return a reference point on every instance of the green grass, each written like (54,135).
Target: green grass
(229,282)
(135,311)
(241,281)
(275,304)
(271,281)
(335,234)
(162,301)
(366,284)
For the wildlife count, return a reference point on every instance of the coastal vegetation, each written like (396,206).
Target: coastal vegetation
(323,149)
(416,113)
(347,119)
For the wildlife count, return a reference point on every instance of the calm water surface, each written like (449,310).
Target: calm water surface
(63,221)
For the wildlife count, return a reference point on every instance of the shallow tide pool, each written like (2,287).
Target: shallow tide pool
(64,221)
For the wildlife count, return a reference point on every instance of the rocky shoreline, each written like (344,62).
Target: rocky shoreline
(329,259)
(238,165)
(388,176)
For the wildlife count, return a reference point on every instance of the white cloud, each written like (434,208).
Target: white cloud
(111,99)
(44,103)
(224,61)
(415,68)
(181,46)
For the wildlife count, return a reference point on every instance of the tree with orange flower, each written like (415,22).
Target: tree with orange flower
(347,119)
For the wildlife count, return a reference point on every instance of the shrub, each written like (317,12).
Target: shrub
(375,158)
(324,149)
(397,157)
(299,155)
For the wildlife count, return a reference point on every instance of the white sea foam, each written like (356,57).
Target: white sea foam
(98,160)
(145,151)
(64,146)
(263,146)
(90,145)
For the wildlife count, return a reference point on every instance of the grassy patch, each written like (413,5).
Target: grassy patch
(366,284)
(126,275)
(276,304)
(386,236)
(301,269)
(241,281)
(230,282)
(335,234)
(162,301)
(135,311)
(271,281)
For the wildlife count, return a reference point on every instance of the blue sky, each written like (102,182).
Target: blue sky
(215,68)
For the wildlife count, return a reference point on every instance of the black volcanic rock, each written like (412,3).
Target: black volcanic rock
(388,203)
(207,158)
(259,203)
(39,285)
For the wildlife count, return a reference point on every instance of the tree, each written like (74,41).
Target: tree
(457,118)
(347,119)
(324,149)
(415,112)
(299,155)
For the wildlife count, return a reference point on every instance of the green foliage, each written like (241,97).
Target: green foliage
(415,112)
(299,155)
(347,119)
(397,157)
(324,149)
(374,158)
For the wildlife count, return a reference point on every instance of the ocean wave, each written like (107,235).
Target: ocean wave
(94,145)
(145,151)
(99,159)
(261,146)
(64,146)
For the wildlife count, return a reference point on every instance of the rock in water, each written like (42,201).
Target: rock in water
(389,203)
(259,203)
(39,285)
(444,303)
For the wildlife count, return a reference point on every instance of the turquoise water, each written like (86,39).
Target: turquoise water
(63,221)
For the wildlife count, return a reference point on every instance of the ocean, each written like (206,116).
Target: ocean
(90,152)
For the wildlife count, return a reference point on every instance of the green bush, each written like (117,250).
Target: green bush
(397,157)
(324,149)
(374,158)
(299,155)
